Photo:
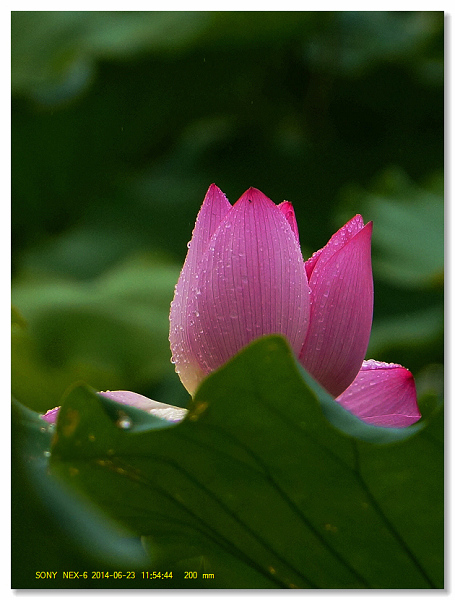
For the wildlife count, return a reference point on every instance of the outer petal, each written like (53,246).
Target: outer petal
(212,212)
(164,411)
(159,409)
(382,394)
(51,415)
(341,284)
(252,282)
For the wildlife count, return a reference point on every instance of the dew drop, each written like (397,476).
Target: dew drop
(124,422)
(46,453)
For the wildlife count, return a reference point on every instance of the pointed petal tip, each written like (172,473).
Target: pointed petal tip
(253,195)
(214,192)
(356,223)
(213,188)
(344,235)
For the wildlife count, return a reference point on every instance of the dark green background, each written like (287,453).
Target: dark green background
(121,120)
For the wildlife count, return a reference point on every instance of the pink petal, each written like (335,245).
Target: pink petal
(51,415)
(382,394)
(212,212)
(341,284)
(288,211)
(164,411)
(159,409)
(252,282)
(337,240)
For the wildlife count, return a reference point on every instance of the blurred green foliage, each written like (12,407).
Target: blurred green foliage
(111,331)
(121,120)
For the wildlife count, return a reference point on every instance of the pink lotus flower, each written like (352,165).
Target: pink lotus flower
(244,277)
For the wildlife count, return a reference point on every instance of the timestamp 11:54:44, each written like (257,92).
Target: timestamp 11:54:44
(156,575)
